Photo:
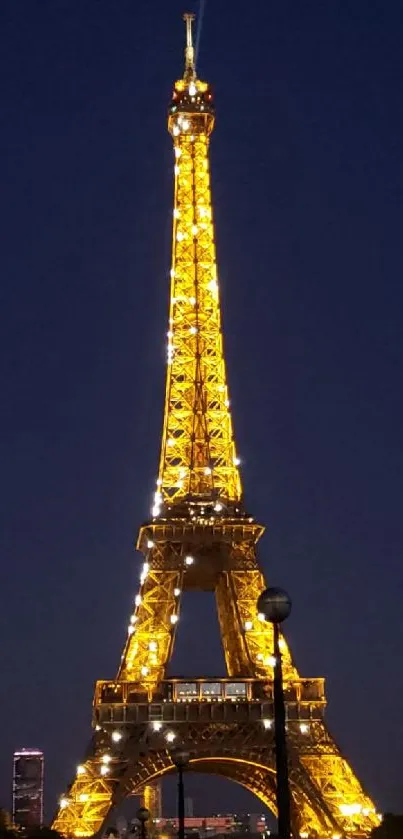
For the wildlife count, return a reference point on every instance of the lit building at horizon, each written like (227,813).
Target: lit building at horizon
(204,826)
(28,774)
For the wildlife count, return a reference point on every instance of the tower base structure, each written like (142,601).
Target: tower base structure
(225,724)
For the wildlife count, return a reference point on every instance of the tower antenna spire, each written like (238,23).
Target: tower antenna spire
(190,66)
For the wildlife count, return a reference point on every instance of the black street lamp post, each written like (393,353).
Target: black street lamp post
(181,759)
(275,605)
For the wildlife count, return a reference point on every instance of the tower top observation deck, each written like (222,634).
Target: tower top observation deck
(191,96)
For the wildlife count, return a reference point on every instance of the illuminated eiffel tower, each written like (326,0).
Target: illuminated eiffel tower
(200,537)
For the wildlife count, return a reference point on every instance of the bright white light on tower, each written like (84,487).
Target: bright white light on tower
(195,230)
(248,625)
(144,573)
(261,617)
(170,352)
(267,724)
(218,507)
(185,124)
(304,728)
(174,619)
(144,671)
(81,770)
(350,809)
(189,560)
(152,646)
(104,770)
(116,736)
(179,236)
(177,151)
(106,759)
(130,629)
(177,592)
(150,544)
(170,441)
(193,330)
(137,599)
(237,461)
(192,89)
(170,736)
(176,130)
(157,725)
(207,470)
(269,661)
(63,803)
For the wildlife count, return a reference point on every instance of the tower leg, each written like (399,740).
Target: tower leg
(151,798)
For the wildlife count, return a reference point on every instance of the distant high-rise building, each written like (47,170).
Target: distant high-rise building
(28,767)
(188,808)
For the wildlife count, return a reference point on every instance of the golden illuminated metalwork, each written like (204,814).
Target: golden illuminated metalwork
(86,804)
(200,537)
(198,455)
(151,800)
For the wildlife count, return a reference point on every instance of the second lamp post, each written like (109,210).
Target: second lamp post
(181,759)
(275,605)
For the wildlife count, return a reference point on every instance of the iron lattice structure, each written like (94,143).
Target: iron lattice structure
(201,537)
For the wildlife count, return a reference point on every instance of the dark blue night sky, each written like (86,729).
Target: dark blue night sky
(307,180)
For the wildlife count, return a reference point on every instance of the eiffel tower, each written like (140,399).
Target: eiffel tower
(200,537)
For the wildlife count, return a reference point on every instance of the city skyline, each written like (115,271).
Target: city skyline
(92,649)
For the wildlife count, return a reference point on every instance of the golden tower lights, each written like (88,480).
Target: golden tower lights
(200,537)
